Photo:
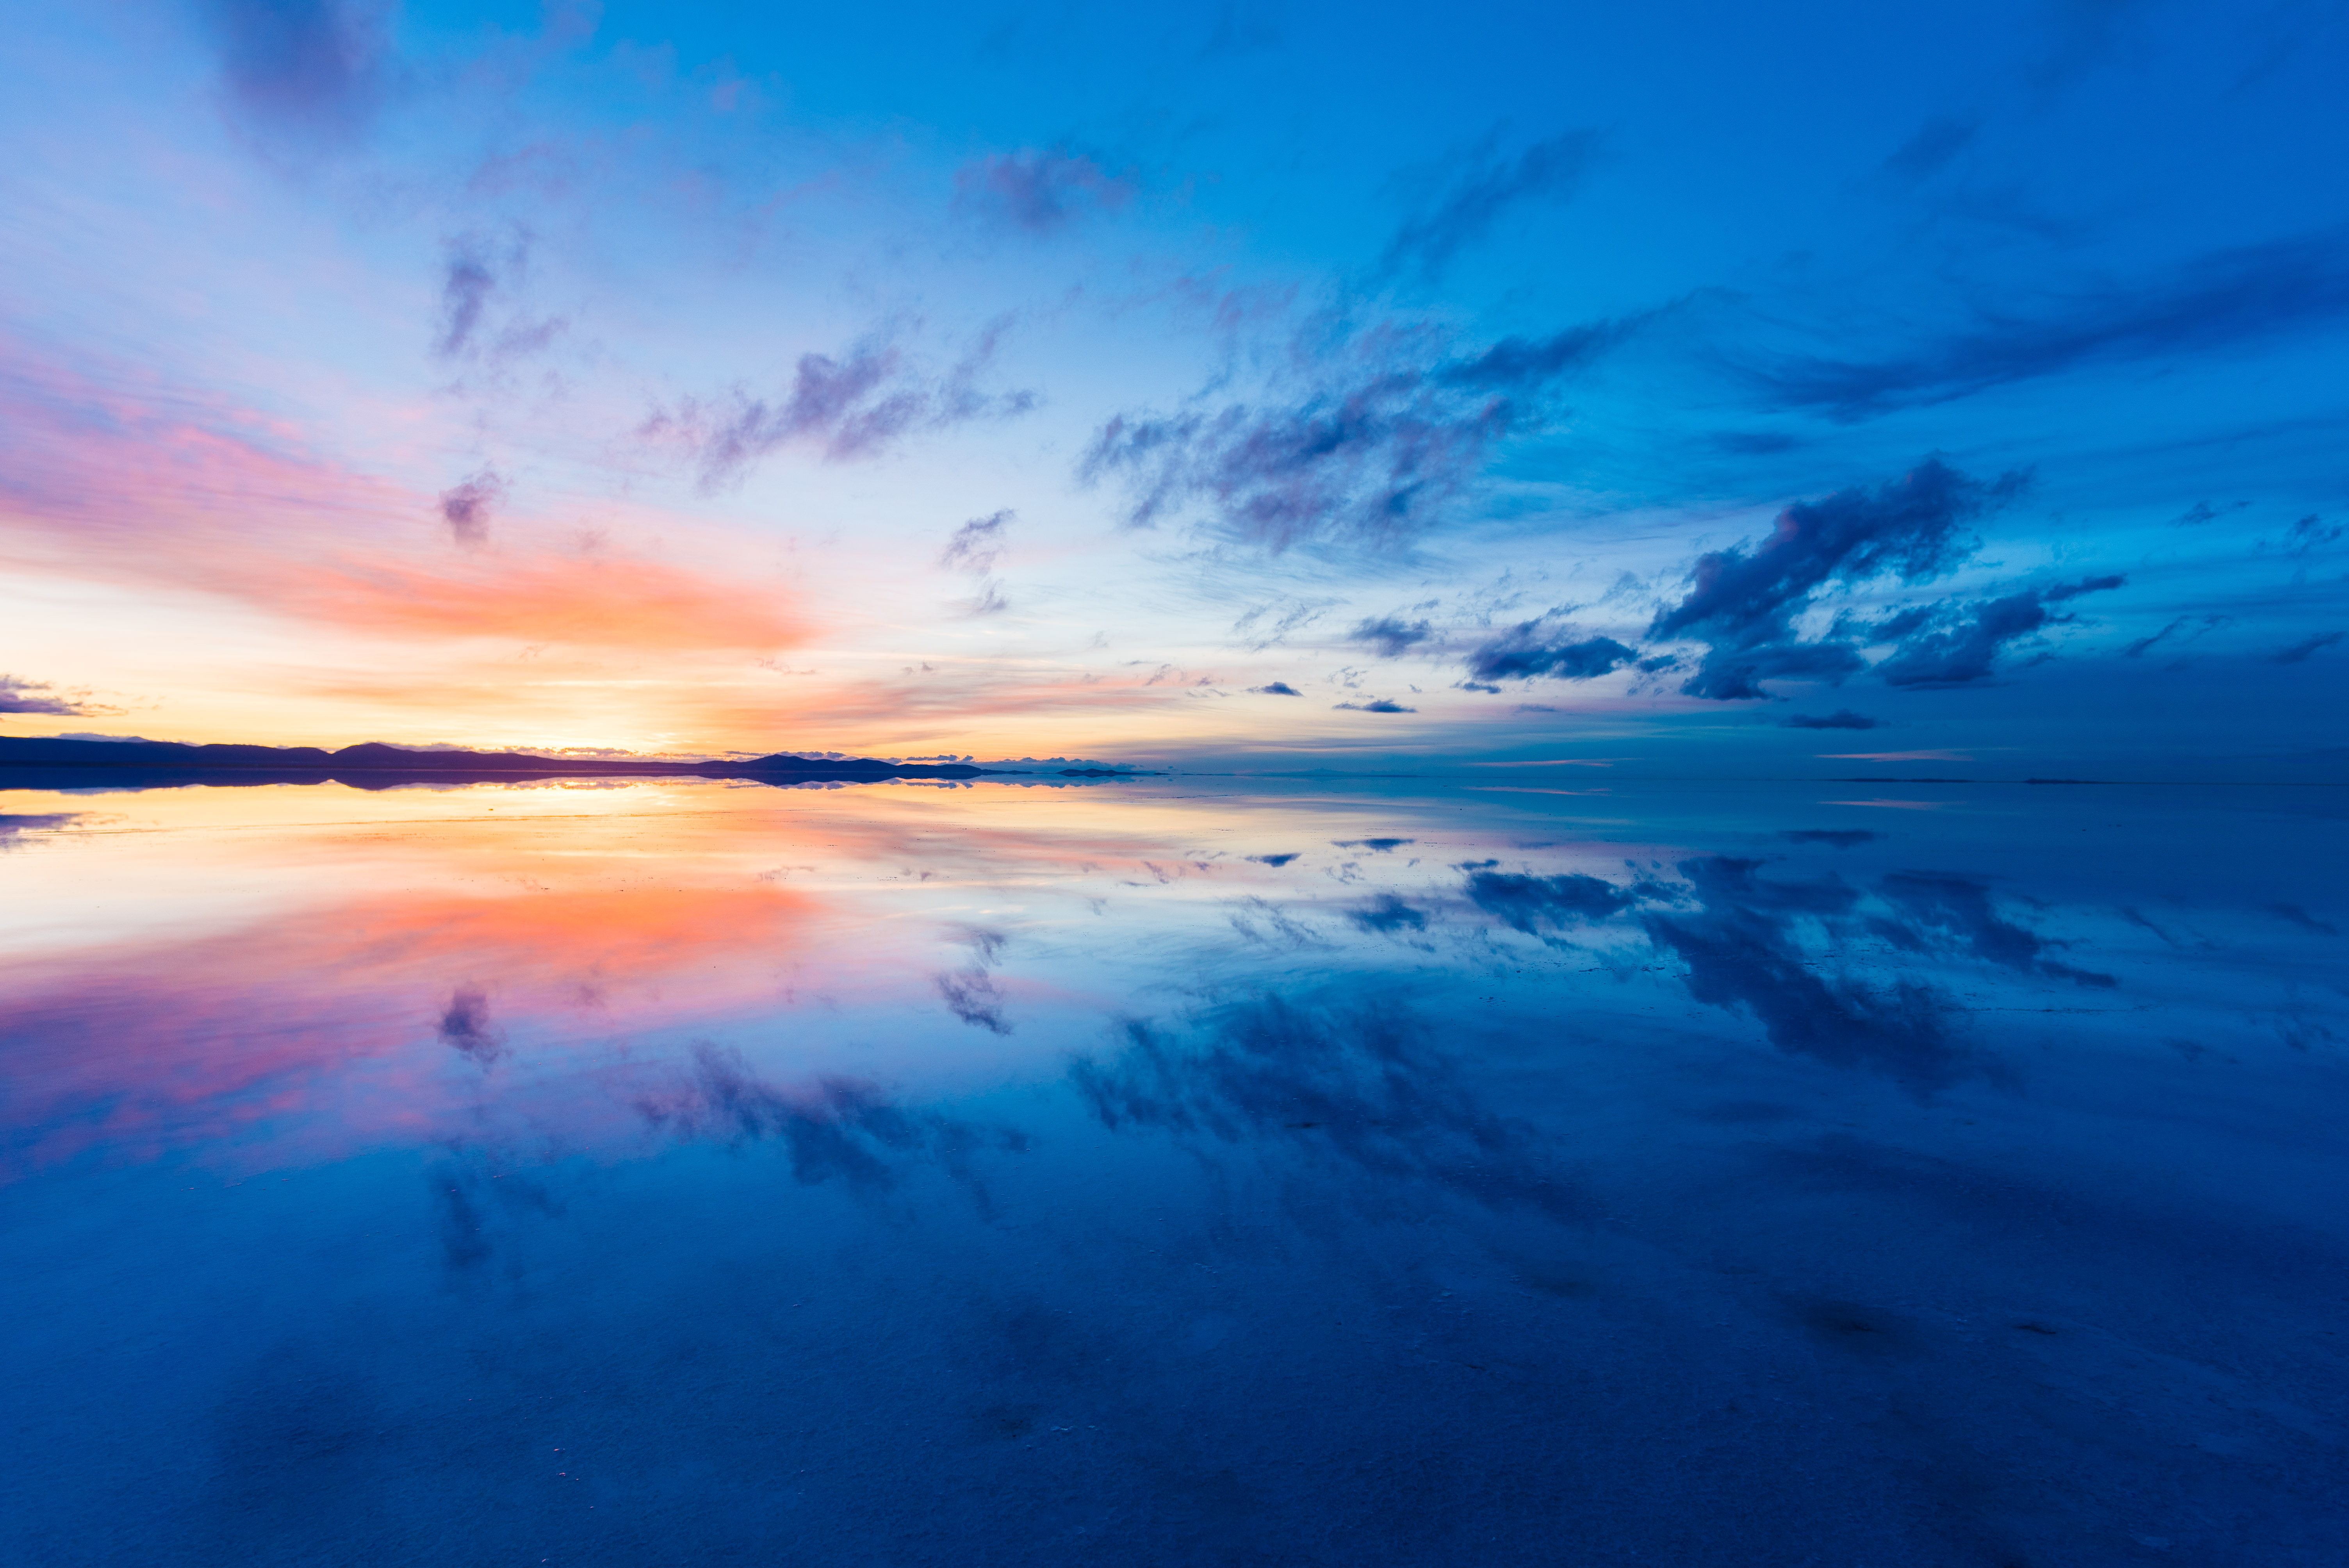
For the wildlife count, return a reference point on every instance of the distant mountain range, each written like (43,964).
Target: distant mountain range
(377,764)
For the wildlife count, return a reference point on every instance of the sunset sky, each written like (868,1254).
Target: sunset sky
(1700,387)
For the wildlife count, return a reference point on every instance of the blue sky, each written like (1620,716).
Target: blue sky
(1710,390)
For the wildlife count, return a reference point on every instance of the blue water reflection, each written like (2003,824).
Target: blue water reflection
(1182,1170)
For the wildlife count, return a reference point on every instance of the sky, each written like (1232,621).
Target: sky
(1695,389)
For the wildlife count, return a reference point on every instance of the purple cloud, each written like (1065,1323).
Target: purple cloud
(20,696)
(1385,431)
(846,408)
(1039,190)
(467,507)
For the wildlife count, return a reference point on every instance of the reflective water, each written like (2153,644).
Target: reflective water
(1190,1170)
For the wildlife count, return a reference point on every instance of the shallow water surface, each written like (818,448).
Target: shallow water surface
(1181,1171)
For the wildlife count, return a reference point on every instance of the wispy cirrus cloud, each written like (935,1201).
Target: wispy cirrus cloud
(1481,186)
(2245,295)
(858,405)
(977,545)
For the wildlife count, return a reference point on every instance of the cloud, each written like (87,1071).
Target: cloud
(465,1027)
(1362,1082)
(1966,651)
(1391,635)
(20,696)
(1842,719)
(855,407)
(307,72)
(1841,838)
(1037,190)
(1528,904)
(2203,625)
(466,281)
(971,996)
(1376,846)
(1388,914)
(2299,651)
(1524,653)
(1275,861)
(1378,432)
(1740,944)
(834,1130)
(1954,912)
(1376,705)
(466,507)
(2300,917)
(1937,141)
(1277,688)
(977,545)
(1743,603)
(2222,300)
(474,277)
(1909,527)
(16,827)
(1486,187)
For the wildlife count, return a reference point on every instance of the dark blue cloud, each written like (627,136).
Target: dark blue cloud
(1388,914)
(1528,904)
(834,1130)
(1277,688)
(1529,363)
(1389,432)
(1376,846)
(2299,651)
(1740,942)
(1911,528)
(1376,705)
(1842,719)
(1953,914)
(1967,650)
(1743,602)
(1362,1081)
(1486,187)
(1391,635)
(2229,297)
(1523,652)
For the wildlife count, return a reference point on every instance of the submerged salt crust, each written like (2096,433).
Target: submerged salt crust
(1177,1171)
